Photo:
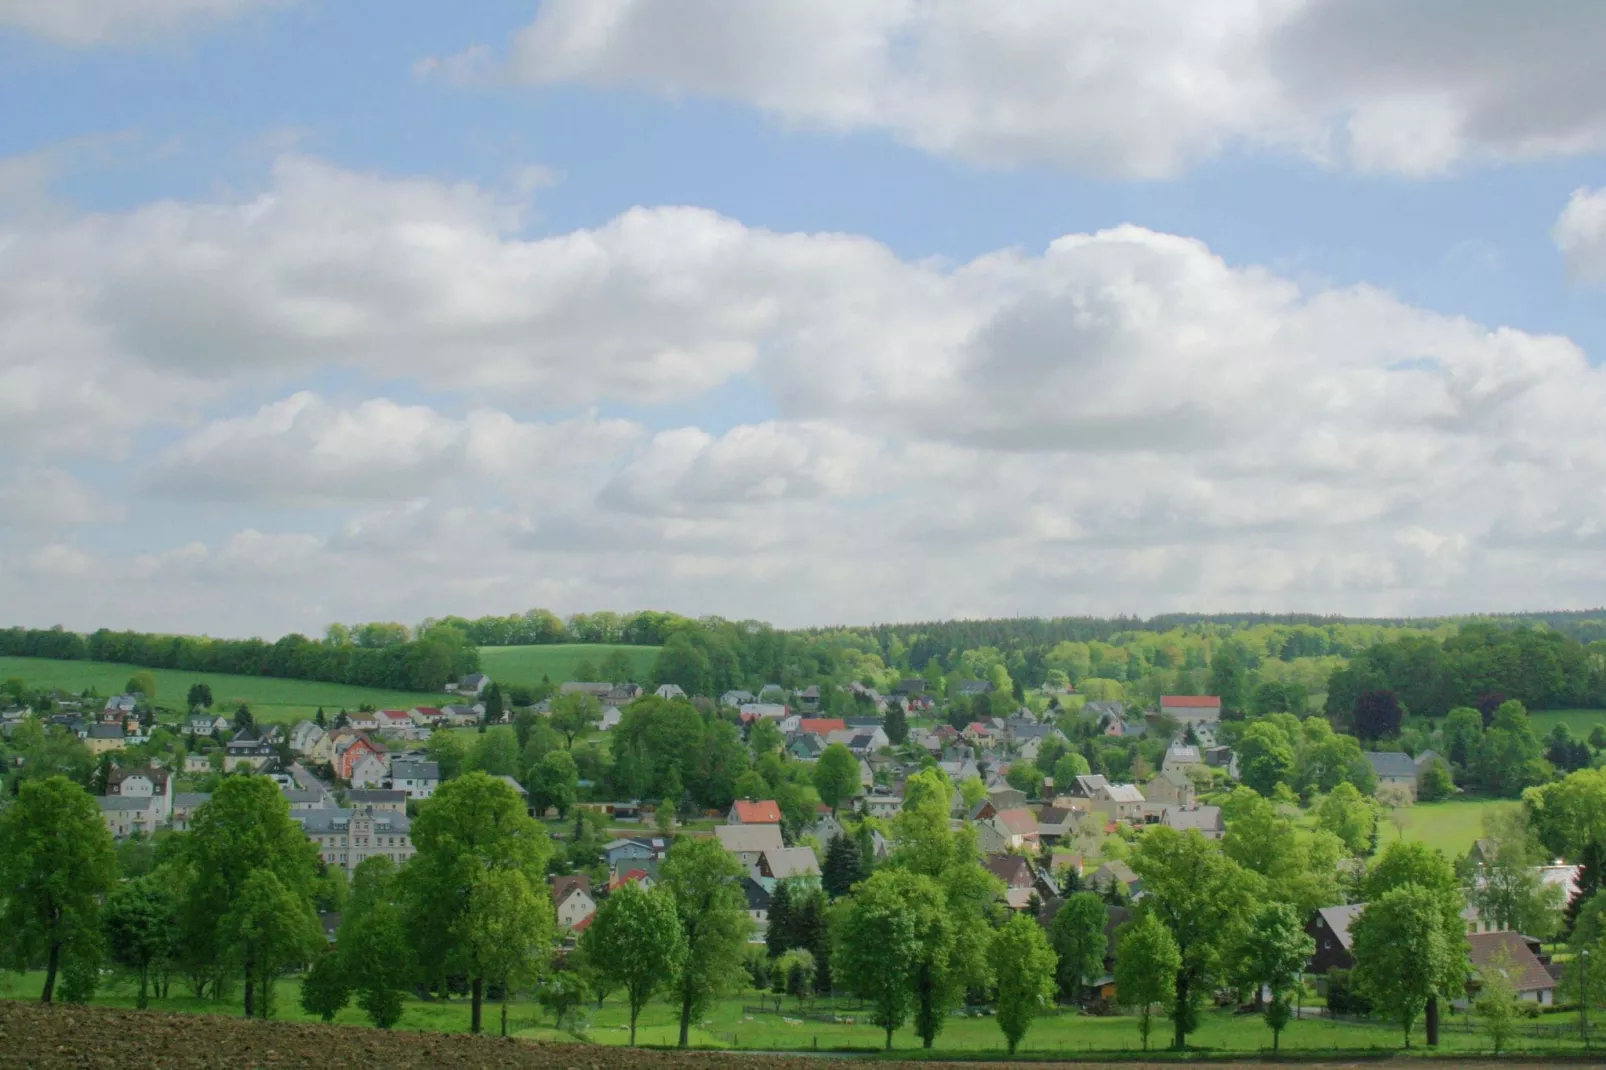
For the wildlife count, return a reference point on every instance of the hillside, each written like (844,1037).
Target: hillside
(270,699)
(558,662)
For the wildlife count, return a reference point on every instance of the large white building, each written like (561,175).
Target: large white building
(345,838)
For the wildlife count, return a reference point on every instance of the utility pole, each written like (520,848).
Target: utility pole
(1583,995)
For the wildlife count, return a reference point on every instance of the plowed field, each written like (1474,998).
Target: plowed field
(101,1038)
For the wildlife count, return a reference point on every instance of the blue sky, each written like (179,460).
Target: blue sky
(349,310)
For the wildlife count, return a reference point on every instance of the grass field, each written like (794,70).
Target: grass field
(1578,722)
(527,664)
(270,699)
(1449,826)
(729,1026)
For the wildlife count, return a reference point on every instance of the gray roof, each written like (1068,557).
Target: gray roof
(294,796)
(376,795)
(322,822)
(786,862)
(400,770)
(191,799)
(1203,818)
(1339,918)
(106,731)
(1391,764)
(738,838)
(127,802)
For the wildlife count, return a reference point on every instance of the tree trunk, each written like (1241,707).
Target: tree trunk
(51,966)
(685,1021)
(474,1019)
(889,1038)
(1276,1037)
(634,1010)
(144,980)
(1433,1022)
(505,987)
(250,988)
(1179,1039)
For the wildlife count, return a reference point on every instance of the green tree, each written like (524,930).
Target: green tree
(141,924)
(1507,888)
(1497,1006)
(1274,956)
(376,955)
(554,782)
(325,991)
(1197,892)
(1510,758)
(1067,768)
(1437,782)
(56,862)
(200,697)
(1229,678)
(1350,816)
(836,776)
(1147,963)
(472,826)
(495,706)
(896,724)
(1024,965)
(575,714)
(267,926)
(142,682)
(496,752)
(878,948)
(446,749)
(843,867)
(1402,955)
(616,667)
(506,932)
(1463,736)
(1569,814)
(704,881)
(1266,757)
(1300,867)
(1077,932)
(765,737)
(636,943)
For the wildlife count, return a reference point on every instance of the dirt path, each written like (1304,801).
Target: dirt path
(103,1038)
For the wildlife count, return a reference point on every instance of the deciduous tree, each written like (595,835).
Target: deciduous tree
(1077,932)
(1402,956)
(1147,963)
(705,882)
(1274,956)
(836,776)
(878,948)
(1023,964)
(141,922)
(267,926)
(636,943)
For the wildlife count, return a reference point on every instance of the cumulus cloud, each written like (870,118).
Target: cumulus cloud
(1140,88)
(1581,236)
(305,451)
(36,497)
(97,22)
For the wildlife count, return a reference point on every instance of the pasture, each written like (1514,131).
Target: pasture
(1579,722)
(558,662)
(1450,826)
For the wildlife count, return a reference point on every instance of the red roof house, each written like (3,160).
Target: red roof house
(821,726)
(749,812)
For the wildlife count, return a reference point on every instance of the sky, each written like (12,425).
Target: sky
(808,311)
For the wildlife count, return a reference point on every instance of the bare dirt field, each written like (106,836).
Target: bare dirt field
(99,1038)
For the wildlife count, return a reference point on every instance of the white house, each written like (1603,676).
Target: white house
(418,779)
(370,771)
(144,783)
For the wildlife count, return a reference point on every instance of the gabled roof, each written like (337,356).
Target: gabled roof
(1527,974)
(1013,870)
(1018,820)
(757,897)
(562,886)
(1123,793)
(127,802)
(762,812)
(821,726)
(1340,918)
(786,862)
(406,770)
(1202,818)
(742,838)
(1391,764)
(1197,702)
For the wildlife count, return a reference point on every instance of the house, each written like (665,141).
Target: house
(1119,802)
(787,864)
(774,711)
(912,686)
(882,806)
(1533,983)
(1394,769)
(1014,829)
(632,876)
(806,747)
(670,691)
(978,735)
(1117,872)
(1007,798)
(1017,875)
(200,764)
(736,699)
(749,812)
(474,684)
(418,779)
(351,747)
(185,804)
(611,718)
(248,749)
(461,716)
(371,770)
(104,738)
(378,799)
(970,688)
(1179,758)
(1205,820)
(204,724)
(809,698)
(1170,786)
(623,851)
(1329,927)
(363,720)
(393,720)
(758,907)
(126,815)
(145,782)
(1056,823)
(1191,709)
(571,899)
(822,726)
(1086,786)
(305,735)
(303,799)
(598,691)
(826,827)
(748,842)
(345,838)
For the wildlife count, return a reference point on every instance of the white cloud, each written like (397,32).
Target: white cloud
(1581,235)
(36,497)
(97,22)
(1139,88)
(305,451)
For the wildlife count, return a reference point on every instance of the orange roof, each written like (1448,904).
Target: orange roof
(821,725)
(1190,700)
(764,812)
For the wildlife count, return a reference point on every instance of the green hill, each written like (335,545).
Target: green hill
(557,662)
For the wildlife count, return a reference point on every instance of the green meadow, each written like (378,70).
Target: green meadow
(558,662)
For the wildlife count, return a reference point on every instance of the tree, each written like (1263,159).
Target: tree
(1266,757)
(896,724)
(778,937)
(1300,867)
(1591,869)
(496,752)
(1229,678)
(474,826)
(1497,1005)
(1463,735)
(1510,757)
(141,924)
(1403,864)
(1197,892)
(1437,783)
(1378,715)
(764,737)
(1402,956)
(142,683)
(636,942)
(704,881)
(1569,814)
(1274,957)
(575,714)
(325,990)
(506,932)
(495,706)
(200,697)
(794,974)
(1077,932)
(243,720)
(1507,888)
(843,868)
(244,828)
(1026,777)
(267,925)
(56,862)
(616,667)
(1350,816)
(1147,963)
(836,776)
(554,782)
(878,948)
(1023,963)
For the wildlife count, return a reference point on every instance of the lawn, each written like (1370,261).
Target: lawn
(1578,722)
(1450,826)
(270,699)
(729,1025)
(559,662)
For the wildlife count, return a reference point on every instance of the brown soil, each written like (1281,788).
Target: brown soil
(103,1038)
